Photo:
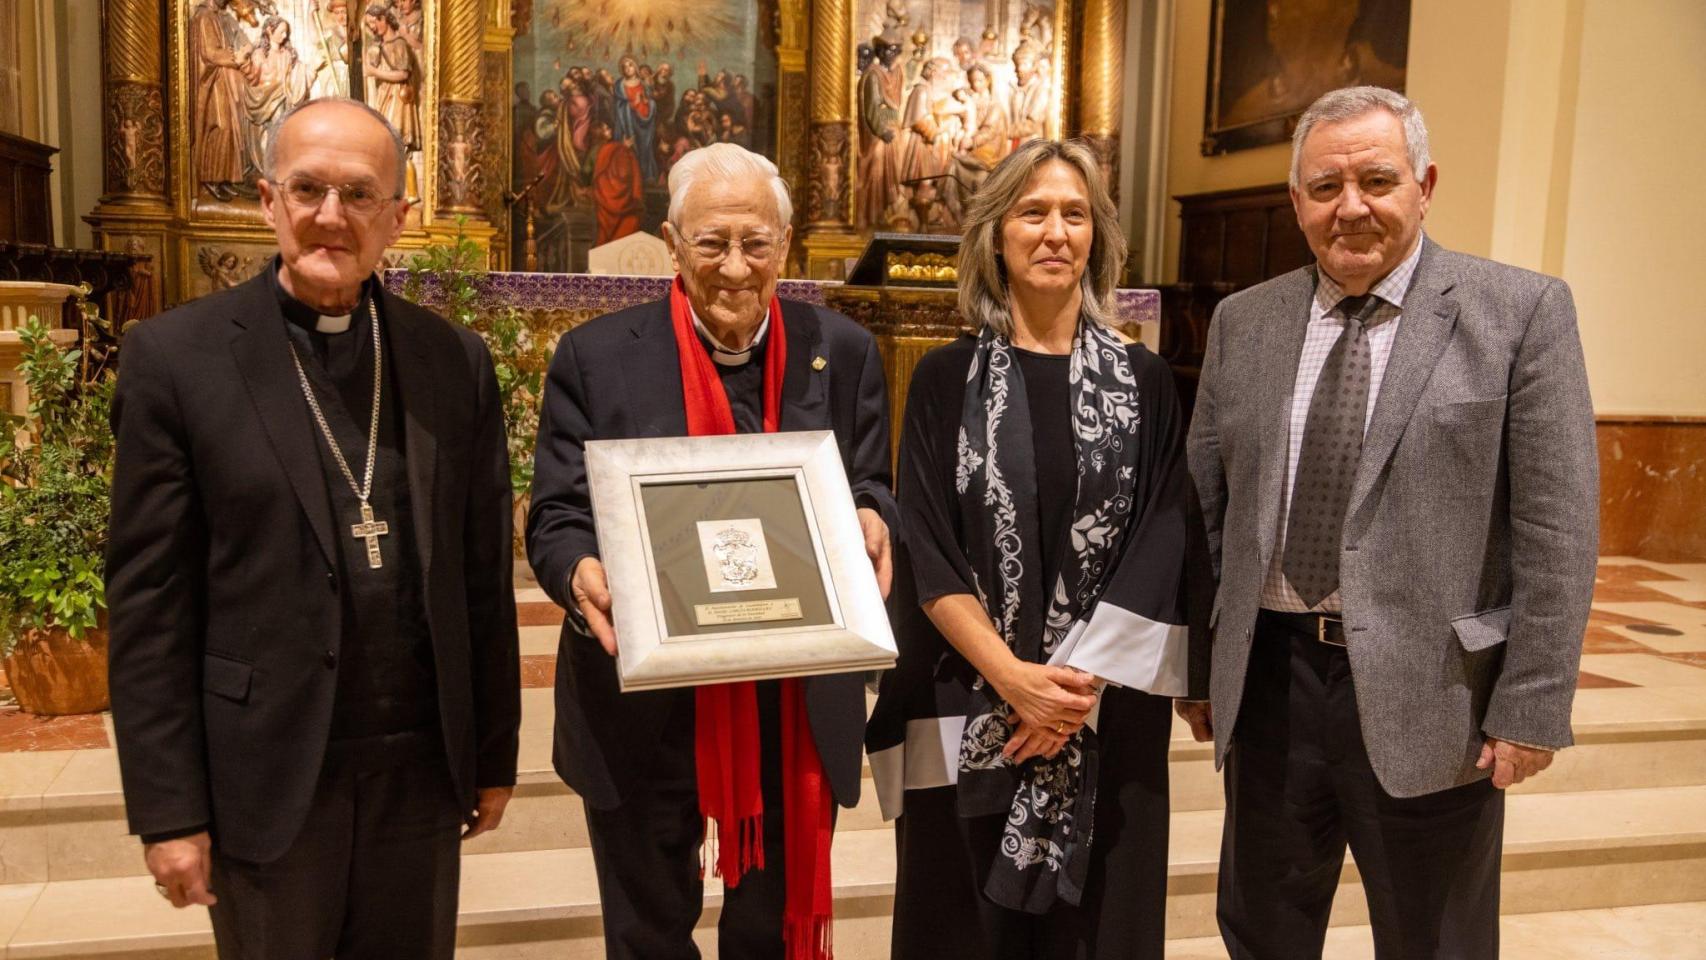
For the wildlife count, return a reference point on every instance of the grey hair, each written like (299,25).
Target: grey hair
(1349,103)
(269,160)
(725,161)
(983,277)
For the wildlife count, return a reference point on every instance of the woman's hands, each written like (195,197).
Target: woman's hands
(1049,705)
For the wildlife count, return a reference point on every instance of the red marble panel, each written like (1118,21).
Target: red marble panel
(22,731)
(1607,618)
(1601,640)
(1631,573)
(1628,593)
(1652,480)
(1593,681)
(538,670)
(538,614)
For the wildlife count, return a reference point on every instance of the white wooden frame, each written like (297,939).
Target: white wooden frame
(858,639)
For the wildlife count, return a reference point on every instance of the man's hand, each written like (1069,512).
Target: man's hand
(488,811)
(184,867)
(1200,715)
(1512,763)
(877,547)
(591,594)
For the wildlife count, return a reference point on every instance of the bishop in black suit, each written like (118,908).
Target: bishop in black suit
(631,755)
(313,640)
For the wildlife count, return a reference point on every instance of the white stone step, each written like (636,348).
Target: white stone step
(1597,849)
(62,813)
(1671,931)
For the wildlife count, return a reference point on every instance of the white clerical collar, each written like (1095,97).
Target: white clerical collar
(332,324)
(723,355)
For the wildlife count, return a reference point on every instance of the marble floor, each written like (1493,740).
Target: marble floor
(1647,629)
(1596,851)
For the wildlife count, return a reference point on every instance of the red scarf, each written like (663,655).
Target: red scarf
(726,741)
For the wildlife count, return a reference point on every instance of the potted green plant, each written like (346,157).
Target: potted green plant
(55,485)
(448,277)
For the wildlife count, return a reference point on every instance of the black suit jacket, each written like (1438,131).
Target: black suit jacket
(618,377)
(221,573)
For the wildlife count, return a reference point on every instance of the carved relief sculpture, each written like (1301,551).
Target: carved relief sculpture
(136,157)
(879,130)
(393,74)
(828,193)
(223,268)
(931,129)
(461,151)
(278,80)
(218,52)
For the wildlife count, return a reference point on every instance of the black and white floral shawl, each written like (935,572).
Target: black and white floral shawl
(1048,802)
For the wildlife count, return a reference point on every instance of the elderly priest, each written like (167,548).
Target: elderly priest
(314,664)
(721,354)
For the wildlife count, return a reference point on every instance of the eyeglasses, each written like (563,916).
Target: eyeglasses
(358,198)
(756,249)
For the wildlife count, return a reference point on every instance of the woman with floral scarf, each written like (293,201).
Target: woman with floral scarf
(1056,566)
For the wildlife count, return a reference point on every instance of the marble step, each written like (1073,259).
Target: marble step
(1563,852)
(1664,930)
(62,813)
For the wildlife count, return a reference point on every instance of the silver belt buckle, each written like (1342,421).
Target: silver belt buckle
(1321,621)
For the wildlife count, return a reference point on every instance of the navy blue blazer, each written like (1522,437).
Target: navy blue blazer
(618,377)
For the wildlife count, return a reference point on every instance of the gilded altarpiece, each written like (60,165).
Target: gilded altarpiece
(193,89)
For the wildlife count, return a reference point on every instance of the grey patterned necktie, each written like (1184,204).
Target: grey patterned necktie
(1327,465)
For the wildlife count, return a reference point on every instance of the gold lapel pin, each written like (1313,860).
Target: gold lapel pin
(818,363)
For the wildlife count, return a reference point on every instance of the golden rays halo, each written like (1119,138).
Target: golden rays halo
(644,28)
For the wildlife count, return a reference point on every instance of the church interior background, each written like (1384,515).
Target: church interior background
(541,134)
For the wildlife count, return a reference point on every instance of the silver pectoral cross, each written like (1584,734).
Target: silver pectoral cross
(370,530)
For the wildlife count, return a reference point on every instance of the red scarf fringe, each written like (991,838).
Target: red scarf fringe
(726,741)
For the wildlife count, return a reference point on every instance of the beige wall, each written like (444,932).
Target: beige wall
(1564,131)
(1636,206)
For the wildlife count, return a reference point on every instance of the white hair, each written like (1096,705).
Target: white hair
(725,161)
(1349,103)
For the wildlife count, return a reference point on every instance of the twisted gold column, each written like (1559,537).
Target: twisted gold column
(134,121)
(829,235)
(1103,72)
(461,120)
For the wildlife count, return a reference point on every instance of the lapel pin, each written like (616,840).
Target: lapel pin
(818,363)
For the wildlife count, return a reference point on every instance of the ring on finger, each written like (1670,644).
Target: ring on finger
(160,888)
(1060,726)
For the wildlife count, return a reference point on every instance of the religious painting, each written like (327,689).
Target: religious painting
(609,96)
(246,63)
(1269,61)
(945,90)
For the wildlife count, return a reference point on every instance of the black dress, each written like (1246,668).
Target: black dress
(943,859)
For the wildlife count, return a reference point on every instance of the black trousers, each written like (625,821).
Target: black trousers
(646,853)
(944,861)
(372,876)
(1299,789)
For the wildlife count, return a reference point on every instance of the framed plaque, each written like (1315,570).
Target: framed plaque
(734,558)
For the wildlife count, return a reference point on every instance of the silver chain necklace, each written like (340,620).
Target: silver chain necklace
(368,529)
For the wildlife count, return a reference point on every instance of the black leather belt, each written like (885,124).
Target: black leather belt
(1321,627)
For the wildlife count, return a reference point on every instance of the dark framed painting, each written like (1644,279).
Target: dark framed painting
(1270,59)
(609,96)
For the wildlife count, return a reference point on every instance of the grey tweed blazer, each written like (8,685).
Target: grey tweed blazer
(1472,532)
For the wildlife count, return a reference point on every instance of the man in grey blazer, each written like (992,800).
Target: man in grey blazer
(1394,449)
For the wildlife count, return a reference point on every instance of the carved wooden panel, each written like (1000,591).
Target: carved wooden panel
(26,212)
(1241,237)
